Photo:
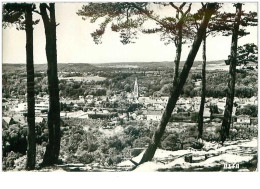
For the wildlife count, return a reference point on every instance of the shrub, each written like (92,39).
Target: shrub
(85,158)
(171,142)
(8,161)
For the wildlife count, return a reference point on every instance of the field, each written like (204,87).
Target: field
(87,78)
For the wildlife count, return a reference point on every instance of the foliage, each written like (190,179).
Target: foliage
(13,14)
(9,160)
(194,116)
(171,142)
(251,110)
(213,109)
(246,54)
(128,19)
(125,18)
(14,137)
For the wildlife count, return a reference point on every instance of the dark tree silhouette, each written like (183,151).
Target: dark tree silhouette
(20,14)
(196,17)
(232,76)
(53,147)
(210,8)
(239,55)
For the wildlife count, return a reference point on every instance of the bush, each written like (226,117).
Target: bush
(136,152)
(197,145)
(8,161)
(141,142)
(85,158)
(171,142)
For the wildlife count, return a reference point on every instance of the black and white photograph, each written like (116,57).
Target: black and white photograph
(129,86)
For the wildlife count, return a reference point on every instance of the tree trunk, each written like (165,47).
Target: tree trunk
(177,86)
(203,90)
(31,148)
(53,147)
(225,127)
(178,53)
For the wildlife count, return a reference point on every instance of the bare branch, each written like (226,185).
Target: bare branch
(149,15)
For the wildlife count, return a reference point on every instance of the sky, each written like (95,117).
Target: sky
(75,44)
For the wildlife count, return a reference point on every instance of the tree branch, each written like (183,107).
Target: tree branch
(149,15)
(182,5)
(177,8)
(44,14)
(35,11)
(188,10)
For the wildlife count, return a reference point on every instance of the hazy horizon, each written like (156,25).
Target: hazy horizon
(115,62)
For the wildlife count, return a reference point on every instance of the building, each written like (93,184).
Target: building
(154,115)
(8,121)
(243,119)
(136,92)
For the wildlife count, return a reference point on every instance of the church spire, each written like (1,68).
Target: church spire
(136,89)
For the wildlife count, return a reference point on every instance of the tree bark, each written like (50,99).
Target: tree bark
(178,53)
(225,127)
(31,147)
(203,90)
(177,86)
(53,147)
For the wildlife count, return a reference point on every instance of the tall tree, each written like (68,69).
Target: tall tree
(211,29)
(203,89)
(196,17)
(20,14)
(53,147)
(210,8)
(232,76)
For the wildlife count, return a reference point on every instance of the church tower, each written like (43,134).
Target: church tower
(136,94)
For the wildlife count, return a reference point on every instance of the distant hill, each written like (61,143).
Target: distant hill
(85,67)
(65,67)
(155,64)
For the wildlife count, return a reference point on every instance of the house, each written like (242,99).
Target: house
(243,119)
(206,113)
(154,115)
(8,120)
(19,119)
(39,120)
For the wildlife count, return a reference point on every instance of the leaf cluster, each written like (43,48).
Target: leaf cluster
(246,54)
(128,18)
(13,14)
(125,18)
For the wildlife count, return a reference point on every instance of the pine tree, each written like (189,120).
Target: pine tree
(20,14)
(53,147)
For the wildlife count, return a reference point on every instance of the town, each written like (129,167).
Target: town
(121,106)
